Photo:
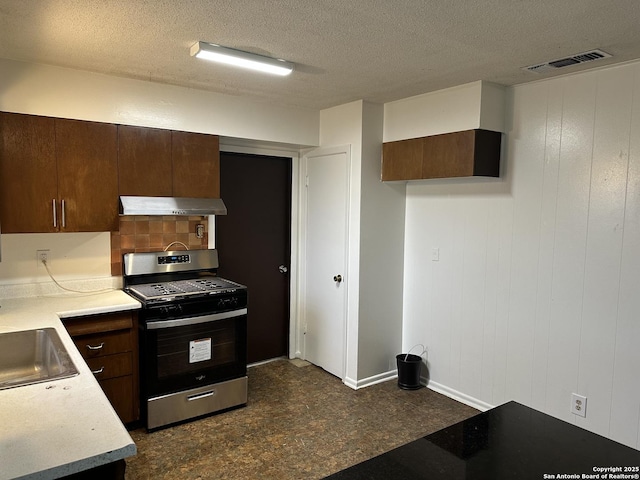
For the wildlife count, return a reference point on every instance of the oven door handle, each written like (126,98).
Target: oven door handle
(183,322)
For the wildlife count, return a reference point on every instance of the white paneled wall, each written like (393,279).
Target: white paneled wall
(537,290)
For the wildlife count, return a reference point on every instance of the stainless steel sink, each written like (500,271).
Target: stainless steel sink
(33,356)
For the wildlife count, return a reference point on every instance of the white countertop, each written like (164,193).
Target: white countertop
(57,428)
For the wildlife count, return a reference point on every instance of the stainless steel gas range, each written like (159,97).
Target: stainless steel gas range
(193,335)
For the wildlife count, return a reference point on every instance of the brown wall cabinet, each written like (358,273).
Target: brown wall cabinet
(57,175)
(459,154)
(144,161)
(109,345)
(153,162)
(60,175)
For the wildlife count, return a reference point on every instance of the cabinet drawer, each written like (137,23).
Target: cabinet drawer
(108,343)
(106,322)
(111,366)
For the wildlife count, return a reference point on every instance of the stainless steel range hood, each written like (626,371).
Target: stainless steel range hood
(132,205)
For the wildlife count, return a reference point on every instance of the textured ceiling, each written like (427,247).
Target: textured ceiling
(344,50)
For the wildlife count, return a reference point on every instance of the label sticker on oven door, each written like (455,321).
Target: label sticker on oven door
(200,350)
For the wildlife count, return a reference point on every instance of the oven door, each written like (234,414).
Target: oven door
(184,353)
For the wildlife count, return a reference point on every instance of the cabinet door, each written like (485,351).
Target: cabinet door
(28,183)
(402,160)
(144,161)
(459,154)
(196,165)
(448,155)
(87,160)
(121,394)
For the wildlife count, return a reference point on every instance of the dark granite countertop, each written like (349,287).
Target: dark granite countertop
(509,442)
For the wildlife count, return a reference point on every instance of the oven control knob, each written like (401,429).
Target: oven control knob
(227,302)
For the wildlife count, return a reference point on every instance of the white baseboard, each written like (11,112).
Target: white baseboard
(455,395)
(367,382)
(430,384)
(435,386)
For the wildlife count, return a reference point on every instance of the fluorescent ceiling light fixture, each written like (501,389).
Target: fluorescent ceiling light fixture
(238,58)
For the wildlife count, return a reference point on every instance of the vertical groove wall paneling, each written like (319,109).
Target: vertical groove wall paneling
(527,163)
(549,196)
(554,247)
(625,398)
(570,239)
(604,245)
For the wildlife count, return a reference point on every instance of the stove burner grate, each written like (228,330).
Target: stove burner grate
(182,287)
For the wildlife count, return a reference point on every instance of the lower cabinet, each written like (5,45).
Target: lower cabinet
(109,344)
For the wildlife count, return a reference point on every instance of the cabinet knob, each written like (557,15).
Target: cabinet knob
(283,269)
(337,278)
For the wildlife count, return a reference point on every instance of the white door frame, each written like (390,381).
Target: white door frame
(301,313)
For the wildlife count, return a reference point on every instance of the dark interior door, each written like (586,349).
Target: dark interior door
(253,242)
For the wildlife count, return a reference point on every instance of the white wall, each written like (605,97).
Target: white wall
(536,294)
(340,126)
(376,229)
(72,256)
(465,107)
(381,256)
(61,92)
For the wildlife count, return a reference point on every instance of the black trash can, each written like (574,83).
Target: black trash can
(409,371)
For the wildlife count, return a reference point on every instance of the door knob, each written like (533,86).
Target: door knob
(283,269)
(337,278)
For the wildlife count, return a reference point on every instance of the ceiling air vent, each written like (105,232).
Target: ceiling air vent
(568,61)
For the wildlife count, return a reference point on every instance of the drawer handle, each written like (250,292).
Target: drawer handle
(198,396)
(98,372)
(95,347)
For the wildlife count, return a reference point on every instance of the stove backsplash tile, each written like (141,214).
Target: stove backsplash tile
(153,234)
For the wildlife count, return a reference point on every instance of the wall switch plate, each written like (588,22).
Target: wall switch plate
(435,254)
(578,405)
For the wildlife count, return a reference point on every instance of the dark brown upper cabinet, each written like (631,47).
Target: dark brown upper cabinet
(87,160)
(154,162)
(459,154)
(28,174)
(61,175)
(144,161)
(57,175)
(196,165)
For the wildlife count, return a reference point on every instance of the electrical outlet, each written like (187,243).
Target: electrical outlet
(42,256)
(578,405)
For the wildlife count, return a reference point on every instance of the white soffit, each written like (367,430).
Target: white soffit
(466,107)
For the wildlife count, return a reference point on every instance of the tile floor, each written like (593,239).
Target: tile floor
(300,423)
